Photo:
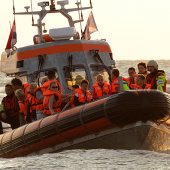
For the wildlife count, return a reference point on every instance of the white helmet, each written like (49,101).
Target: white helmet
(152,63)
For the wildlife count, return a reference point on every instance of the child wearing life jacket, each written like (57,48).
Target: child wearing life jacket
(100,88)
(10,113)
(142,69)
(52,99)
(39,99)
(132,76)
(23,104)
(32,101)
(81,95)
(140,83)
(116,85)
(70,103)
(52,77)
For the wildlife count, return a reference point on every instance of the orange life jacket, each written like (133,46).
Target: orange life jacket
(130,80)
(23,105)
(151,79)
(32,101)
(56,105)
(47,84)
(99,91)
(82,97)
(137,87)
(114,86)
(26,88)
(39,103)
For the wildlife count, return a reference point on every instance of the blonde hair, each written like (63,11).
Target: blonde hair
(43,79)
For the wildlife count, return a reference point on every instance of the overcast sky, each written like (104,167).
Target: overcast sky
(135,29)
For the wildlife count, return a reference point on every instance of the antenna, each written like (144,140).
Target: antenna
(78,3)
(62,3)
(91,4)
(32,13)
(27,8)
(52,6)
(13,6)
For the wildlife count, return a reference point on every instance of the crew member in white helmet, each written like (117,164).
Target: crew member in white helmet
(156,78)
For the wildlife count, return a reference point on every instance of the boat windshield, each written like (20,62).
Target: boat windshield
(100,69)
(38,75)
(74,75)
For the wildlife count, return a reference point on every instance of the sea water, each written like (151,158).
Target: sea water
(93,159)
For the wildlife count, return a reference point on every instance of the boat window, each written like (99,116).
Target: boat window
(38,75)
(74,75)
(100,69)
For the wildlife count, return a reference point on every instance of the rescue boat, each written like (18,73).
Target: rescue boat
(128,120)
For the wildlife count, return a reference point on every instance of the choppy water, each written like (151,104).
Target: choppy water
(93,159)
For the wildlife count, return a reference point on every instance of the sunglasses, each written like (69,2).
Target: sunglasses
(54,87)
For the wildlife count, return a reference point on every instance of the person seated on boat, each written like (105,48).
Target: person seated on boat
(78,79)
(52,77)
(43,80)
(101,88)
(52,99)
(17,84)
(142,69)
(39,99)
(118,83)
(23,105)
(70,103)
(140,83)
(32,102)
(10,112)
(156,78)
(81,95)
(132,76)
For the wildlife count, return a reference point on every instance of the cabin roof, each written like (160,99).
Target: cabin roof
(62,47)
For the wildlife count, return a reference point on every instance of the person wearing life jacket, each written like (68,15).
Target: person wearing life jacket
(142,69)
(17,84)
(156,78)
(52,99)
(31,96)
(70,103)
(100,88)
(132,76)
(23,104)
(81,95)
(39,99)
(10,113)
(118,84)
(140,83)
(51,77)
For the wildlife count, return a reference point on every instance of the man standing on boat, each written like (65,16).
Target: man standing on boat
(156,78)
